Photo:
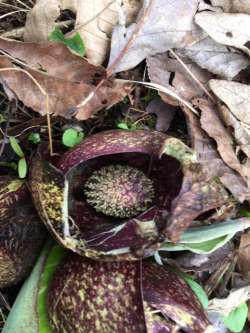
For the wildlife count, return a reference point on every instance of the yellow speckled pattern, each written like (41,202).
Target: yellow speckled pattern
(93,297)
(12,190)
(88,296)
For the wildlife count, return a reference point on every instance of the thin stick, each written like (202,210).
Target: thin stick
(166,91)
(46,100)
(23,4)
(193,76)
(14,12)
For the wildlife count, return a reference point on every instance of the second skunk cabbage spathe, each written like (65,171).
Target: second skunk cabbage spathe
(69,293)
(110,197)
(21,231)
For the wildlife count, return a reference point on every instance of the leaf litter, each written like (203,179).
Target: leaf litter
(194,55)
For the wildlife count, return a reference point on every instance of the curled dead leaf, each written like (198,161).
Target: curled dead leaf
(212,124)
(244,256)
(207,155)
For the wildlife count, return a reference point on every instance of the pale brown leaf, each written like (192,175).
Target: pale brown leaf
(233,6)
(226,28)
(236,95)
(40,20)
(216,58)
(241,132)
(244,256)
(157,32)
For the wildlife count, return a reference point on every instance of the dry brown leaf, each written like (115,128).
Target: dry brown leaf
(40,20)
(225,305)
(226,28)
(235,95)
(94,21)
(160,68)
(197,196)
(207,155)
(244,256)
(67,79)
(216,58)
(154,32)
(233,6)
(241,132)
(212,124)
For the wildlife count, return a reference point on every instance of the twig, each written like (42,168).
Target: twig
(20,31)
(113,66)
(131,40)
(166,91)
(192,75)
(14,12)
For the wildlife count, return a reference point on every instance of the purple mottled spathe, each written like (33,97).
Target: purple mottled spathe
(125,297)
(21,231)
(58,195)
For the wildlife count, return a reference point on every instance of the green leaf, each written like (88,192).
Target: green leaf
(23,315)
(245,213)
(29,314)
(16,147)
(197,289)
(71,137)
(236,320)
(207,239)
(56,255)
(34,138)
(22,168)
(123,126)
(56,35)
(11,165)
(75,43)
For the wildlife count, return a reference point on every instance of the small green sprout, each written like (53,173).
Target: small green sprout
(34,137)
(71,137)
(75,43)
(22,167)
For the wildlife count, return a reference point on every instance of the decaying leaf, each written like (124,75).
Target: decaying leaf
(173,29)
(241,132)
(176,29)
(198,193)
(236,95)
(226,28)
(207,155)
(94,21)
(233,6)
(160,68)
(216,58)
(244,256)
(225,305)
(214,127)
(67,79)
